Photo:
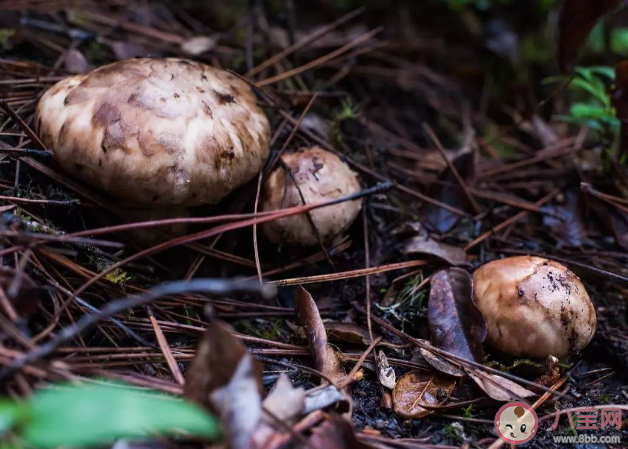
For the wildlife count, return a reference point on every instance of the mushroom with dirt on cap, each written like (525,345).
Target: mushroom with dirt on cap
(156,131)
(534,307)
(310,176)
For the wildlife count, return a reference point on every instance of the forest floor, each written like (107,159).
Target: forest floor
(457,121)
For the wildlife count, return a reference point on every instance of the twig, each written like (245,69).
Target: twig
(210,286)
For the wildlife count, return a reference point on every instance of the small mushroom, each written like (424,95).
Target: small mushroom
(320,176)
(156,131)
(534,307)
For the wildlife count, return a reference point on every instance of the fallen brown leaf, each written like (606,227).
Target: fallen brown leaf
(385,373)
(325,358)
(422,244)
(239,404)
(438,362)
(448,191)
(217,357)
(225,378)
(456,323)
(349,333)
(416,389)
(498,387)
(285,401)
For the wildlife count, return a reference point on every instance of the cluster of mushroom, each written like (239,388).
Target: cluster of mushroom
(163,133)
(534,307)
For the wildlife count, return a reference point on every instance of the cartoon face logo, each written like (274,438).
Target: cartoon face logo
(516,423)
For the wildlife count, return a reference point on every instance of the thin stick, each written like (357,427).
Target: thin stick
(165,349)
(349,274)
(439,146)
(304,42)
(211,286)
(322,60)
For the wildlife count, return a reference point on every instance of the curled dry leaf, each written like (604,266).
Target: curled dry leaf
(498,387)
(239,404)
(284,402)
(225,378)
(456,323)
(416,389)
(317,399)
(349,333)
(439,363)
(566,219)
(576,20)
(385,373)
(448,191)
(422,244)
(325,358)
(217,357)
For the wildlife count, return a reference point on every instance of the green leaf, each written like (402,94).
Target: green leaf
(583,110)
(89,415)
(596,89)
(591,72)
(10,413)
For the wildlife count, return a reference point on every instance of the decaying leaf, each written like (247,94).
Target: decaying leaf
(448,191)
(348,333)
(576,20)
(284,404)
(416,389)
(566,219)
(613,219)
(385,373)
(225,378)
(335,433)
(422,244)
(317,399)
(498,387)
(440,363)
(285,401)
(217,357)
(239,404)
(456,323)
(325,358)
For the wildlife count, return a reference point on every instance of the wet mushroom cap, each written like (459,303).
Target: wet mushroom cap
(534,307)
(156,131)
(321,176)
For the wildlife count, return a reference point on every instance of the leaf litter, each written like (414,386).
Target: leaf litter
(372,92)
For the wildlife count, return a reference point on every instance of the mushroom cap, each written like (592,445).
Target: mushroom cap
(321,176)
(156,131)
(534,307)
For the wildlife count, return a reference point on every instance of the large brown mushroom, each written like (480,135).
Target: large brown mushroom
(320,176)
(156,131)
(534,307)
